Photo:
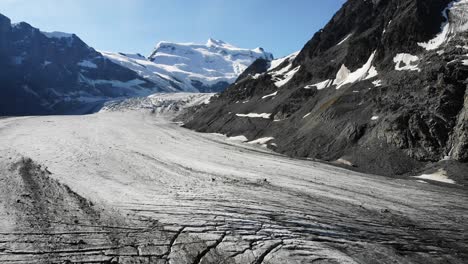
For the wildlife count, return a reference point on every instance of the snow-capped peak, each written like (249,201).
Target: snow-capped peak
(214,42)
(193,67)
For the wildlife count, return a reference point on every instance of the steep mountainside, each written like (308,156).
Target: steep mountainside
(209,67)
(382,87)
(50,73)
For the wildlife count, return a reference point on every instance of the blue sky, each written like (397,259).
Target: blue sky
(279,26)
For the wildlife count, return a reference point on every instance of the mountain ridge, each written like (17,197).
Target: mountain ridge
(50,73)
(364,89)
(192,67)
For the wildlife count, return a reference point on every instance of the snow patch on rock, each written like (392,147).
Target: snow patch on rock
(456,20)
(406,62)
(344,40)
(345,76)
(440,176)
(286,77)
(262,141)
(377,83)
(270,95)
(87,64)
(255,115)
(276,63)
(320,85)
(238,138)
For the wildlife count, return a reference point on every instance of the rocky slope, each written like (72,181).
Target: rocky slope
(209,67)
(382,87)
(50,73)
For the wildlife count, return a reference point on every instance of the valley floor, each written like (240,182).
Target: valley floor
(132,187)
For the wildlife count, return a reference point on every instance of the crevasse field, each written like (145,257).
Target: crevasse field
(143,187)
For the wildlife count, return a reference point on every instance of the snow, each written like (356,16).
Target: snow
(344,40)
(442,37)
(408,60)
(440,176)
(438,40)
(87,64)
(270,95)
(374,118)
(45,63)
(320,85)
(57,34)
(465,62)
(308,114)
(283,75)
(261,141)
(344,162)
(147,70)
(377,83)
(238,138)
(372,73)
(275,63)
(133,87)
(286,77)
(254,115)
(345,76)
(456,22)
(182,64)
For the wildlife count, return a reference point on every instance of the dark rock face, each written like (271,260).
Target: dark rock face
(353,98)
(55,74)
(215,88)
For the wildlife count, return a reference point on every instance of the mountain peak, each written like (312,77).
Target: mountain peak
(214,42)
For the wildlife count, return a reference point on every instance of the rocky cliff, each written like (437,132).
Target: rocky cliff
(56,73)
(382,87)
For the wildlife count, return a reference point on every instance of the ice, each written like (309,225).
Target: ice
(145,166)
